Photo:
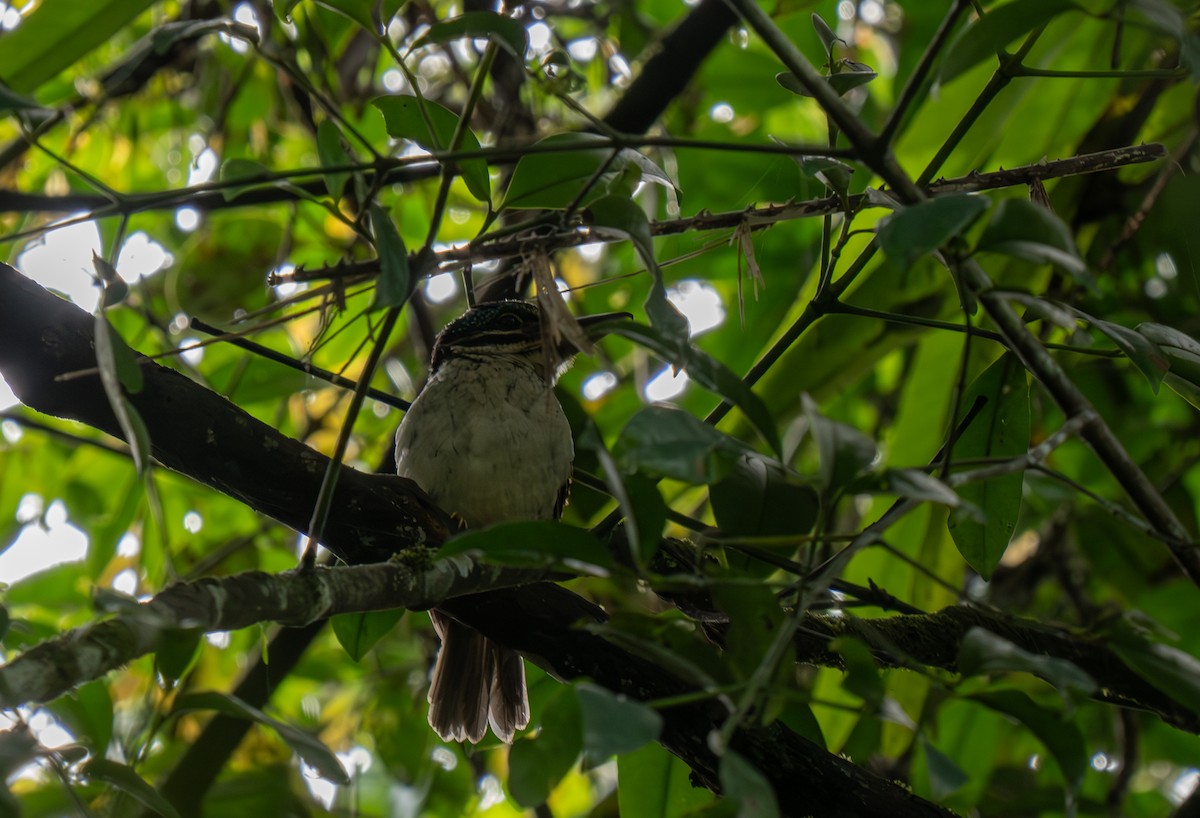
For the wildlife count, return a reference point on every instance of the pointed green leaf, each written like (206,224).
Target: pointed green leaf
(825,33)
(908,234)
(833,174)
(57,34)
(357,633)
(1002,24)
(705,370)
(1147,356)
(614,724)
(116,362)
(862,672)
(331,149)
(655,784)
(668,442)
(129,782)
(744,784)
(554,179)
(406,117)
(915,484)
(638,496)
(999,431)
(945,777)
(308,747)
(759,499)
(844,451)
(394,284)
(177,651)
(504,31)
(852,75)
(983,652)
(1061,737)
(536,765)
(1183,357)
(1169,669)
(241,175)
(531,543)
(1024,230)
(755,617)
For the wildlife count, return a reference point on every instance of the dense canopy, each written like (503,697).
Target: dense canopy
(885,498)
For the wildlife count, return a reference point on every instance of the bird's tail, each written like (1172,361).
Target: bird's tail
(475,681)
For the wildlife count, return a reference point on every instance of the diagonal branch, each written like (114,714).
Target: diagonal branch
(297,597)
(1036,358)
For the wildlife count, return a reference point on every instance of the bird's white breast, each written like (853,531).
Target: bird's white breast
(487,439)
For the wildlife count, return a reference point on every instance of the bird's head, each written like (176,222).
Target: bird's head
(513,329)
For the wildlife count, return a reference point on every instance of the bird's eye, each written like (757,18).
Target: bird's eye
(508,321)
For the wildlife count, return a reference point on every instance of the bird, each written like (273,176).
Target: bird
(487,439)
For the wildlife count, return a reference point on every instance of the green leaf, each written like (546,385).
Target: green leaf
(744,784)
(87,712)
(1183,357)
(176,652)
(614,724)
(706,371)
(844,451)
(57,34)
(1169,669)
(253,175)
(1024,230)
(915,484)
(1150,359)
(655,784)
(985,37)
(833,174)
(117,362)
(945,777)
(999,431)
(394,284)
(850,76)
(825,33)
(308,747)
(758,498)
(862,673)
(536,765)
(668,442)
(1170,339)
(621,215)
(407,117)
(357,633)
(638,496)
(531,543)
(503,31)
(983,652)
(755,618)
(908,234)
(127,781)
(842,82)
(1166,18)
(363,12)
(554,179)
(332,151)
(1062,738)
(106,533)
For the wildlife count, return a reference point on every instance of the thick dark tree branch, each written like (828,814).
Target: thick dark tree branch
(670,67)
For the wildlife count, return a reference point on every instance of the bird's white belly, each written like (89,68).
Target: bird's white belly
(488,454)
